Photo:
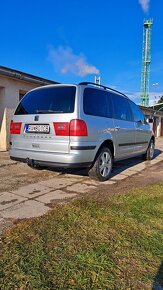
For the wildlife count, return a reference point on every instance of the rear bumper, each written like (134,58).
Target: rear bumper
(76,159)
(51,164)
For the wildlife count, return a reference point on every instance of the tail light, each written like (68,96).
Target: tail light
(15,127)
(61,128)
(76,127)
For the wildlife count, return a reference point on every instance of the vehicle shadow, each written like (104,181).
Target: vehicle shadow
(157,152)
(118,167)
(158,280)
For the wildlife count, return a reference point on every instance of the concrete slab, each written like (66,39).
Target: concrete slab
(109,182)
(91,182)
(32,190)
(139,167)
(74,176)
(129,172)
(8,199)
(80,188)
(7,162)
(58,182)
(119,177)
(154,161)
(27,209)
(54,195)
(159,157)
(97,183)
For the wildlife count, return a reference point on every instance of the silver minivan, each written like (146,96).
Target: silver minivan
(84,125)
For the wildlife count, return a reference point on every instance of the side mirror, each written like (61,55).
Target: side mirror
(150,120)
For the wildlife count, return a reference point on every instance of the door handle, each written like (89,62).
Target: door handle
(117,128)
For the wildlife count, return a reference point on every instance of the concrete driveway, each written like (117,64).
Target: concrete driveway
(37,196)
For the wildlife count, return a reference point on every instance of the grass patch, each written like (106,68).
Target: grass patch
(111,244)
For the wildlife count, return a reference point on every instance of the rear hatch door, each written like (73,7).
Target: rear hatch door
(45,114)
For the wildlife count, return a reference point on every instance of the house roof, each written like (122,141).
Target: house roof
(158,107)
(9,72)
(152,110)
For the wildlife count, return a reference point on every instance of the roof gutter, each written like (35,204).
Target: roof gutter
(25,77)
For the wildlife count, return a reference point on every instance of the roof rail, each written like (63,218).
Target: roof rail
(105,87)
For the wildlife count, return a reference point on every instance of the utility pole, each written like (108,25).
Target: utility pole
(155,97)
(146,60)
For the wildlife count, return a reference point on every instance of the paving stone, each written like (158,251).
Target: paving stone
(80,188)
(8,199)
(57,183)
(74,176)
(98,183)
(139,167)
(54,195)
(129,172)
(108,182)
(159,157)
(32,190)
(119,177)
(27,209)
(154,161)
(92,182)
(7,162)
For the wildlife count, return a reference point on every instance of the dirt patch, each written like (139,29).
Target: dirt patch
(14,176)
(151,175)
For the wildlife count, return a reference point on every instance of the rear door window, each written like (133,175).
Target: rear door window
(97,103)
(48,101)
(122,109)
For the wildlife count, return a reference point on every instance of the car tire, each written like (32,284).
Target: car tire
(150,151)
(102,166)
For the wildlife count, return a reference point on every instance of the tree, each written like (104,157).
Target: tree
(160,100)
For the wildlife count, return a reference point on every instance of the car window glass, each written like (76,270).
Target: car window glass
(121,108)
(97,103)
(137,113)
(48,101)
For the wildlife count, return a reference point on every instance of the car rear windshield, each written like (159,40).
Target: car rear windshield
(48,101)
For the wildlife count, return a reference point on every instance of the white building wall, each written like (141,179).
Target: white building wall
(9,98)
(12,88)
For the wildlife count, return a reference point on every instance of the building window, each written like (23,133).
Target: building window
(21,94)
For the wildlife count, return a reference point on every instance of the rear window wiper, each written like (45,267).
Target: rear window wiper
(47,112)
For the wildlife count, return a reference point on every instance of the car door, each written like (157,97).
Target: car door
(123,126)
(142,129)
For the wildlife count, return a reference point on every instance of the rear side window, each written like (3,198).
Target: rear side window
(48,101)
(121,108)
(97,103)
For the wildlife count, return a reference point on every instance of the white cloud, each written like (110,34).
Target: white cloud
(145,5)
(65,61)
(134,96)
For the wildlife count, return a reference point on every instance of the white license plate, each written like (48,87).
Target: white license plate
(31,128)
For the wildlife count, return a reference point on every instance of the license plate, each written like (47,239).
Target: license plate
(31,128)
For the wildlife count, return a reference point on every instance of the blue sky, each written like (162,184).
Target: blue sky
(70,41)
